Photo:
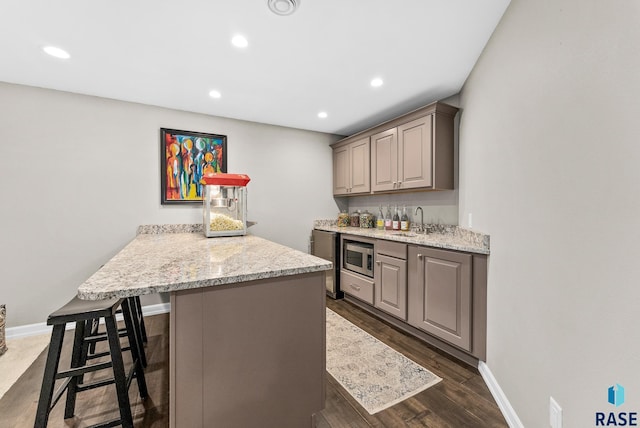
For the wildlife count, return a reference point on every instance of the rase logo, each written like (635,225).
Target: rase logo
(615,397)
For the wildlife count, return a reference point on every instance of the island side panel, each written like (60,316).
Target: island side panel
(264,351)
(186,359)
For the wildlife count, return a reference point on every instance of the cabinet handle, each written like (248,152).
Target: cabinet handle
(395,184)
(399,183)
(355,287)
(420,256)
(378,262)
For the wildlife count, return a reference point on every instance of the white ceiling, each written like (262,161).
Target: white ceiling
(171,53)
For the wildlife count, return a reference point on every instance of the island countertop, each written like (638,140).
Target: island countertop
(164,262)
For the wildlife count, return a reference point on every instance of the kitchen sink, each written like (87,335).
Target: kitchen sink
(407,234)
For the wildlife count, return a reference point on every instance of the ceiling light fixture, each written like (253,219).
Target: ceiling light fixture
(377,82)
(283,7)
(322,115)
(215,94)
(239,41)
(56,52)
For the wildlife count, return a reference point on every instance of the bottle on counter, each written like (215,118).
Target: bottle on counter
(387,218)
(380,221)
(404,220)
(395,223)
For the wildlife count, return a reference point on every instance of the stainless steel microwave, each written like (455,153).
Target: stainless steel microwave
(358,257)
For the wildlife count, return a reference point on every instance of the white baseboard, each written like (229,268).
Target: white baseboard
(43,328)
(501,399)
(160,308)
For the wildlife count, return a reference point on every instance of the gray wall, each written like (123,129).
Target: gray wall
(78,174)
(549,167)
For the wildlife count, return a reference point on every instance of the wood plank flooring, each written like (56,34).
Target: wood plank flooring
(460,400)
(18,406)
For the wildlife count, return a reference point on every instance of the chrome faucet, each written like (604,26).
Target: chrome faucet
(421,218)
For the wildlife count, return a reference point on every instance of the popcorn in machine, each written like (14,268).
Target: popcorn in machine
(225,204)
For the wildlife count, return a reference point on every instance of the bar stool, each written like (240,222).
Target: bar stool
(82,312)
(94,335)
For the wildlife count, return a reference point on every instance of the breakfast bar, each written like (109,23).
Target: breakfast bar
(247,324)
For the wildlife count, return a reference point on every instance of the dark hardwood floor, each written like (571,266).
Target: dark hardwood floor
(460,400)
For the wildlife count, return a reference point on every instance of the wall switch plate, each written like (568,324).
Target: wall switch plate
(470,220)
(555,414)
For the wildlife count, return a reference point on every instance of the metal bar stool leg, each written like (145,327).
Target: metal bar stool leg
(136,345)
(133,326)
(76,361)
(140,316)
(49,379)
(118,372)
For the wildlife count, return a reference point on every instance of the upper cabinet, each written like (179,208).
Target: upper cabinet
(351,168)
(411,152)
(415,154)
(384,160)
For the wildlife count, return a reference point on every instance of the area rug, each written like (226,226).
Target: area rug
(376,375)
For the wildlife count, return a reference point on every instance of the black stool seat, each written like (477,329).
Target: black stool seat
(84,313)
(78,310)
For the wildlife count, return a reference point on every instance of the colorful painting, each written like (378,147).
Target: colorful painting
(186,157)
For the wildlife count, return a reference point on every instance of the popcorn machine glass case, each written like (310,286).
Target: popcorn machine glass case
(225,204)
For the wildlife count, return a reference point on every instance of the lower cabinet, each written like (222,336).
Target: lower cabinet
(440,294)
(390,274)
(437,295)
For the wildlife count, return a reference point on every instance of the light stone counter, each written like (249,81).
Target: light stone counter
(164,258)
(440,236)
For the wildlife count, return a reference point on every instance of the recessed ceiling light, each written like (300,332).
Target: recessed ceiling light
(215,94)
(376,82)
(283,7)
(322,115)
(239,41)
(56,52)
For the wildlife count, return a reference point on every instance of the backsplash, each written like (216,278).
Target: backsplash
(438,207)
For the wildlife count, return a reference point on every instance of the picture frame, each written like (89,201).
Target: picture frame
(185,156)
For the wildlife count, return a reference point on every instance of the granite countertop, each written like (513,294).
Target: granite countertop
(165,258)
(441,236)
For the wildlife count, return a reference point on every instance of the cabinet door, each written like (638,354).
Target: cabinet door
(390,278)
(415,152)
(384,160)
(360,166)
(440,294)
(341,170)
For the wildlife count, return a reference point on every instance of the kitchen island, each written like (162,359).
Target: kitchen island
(247,329)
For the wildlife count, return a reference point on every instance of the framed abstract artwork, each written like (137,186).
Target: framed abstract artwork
(185,157)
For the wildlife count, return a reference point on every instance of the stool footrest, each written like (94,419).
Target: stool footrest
(105,353)
(98,383)
(82,370)
(104,382)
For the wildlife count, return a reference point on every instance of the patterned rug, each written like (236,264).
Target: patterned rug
(374,374)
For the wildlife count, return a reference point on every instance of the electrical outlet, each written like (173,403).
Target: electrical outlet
(555,414)
(470,220)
